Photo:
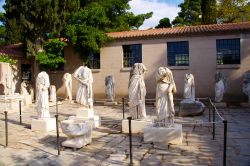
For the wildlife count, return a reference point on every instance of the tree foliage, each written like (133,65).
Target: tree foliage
(6,58)
(233,11)
(190,13)
(164,23)
(52,56)
(209,12)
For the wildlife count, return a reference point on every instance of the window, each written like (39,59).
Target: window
(94,60)
(228,51)
(178,53)
(26,72)
(131,54)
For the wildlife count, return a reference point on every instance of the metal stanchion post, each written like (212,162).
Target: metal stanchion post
(209,110)
(56,105)
(20,111)
(213,123)
(137,112)
(130,141)
(123,108)
(57,136)
(6,128)
(225,144)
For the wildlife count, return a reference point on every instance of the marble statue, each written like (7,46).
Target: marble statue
(23,89)
(78,132)
(110,88)
(137,92)
(42,95)
(52,93)
(67,83)
(164,96)
(220,86)
(84,93)
(189,88)
(7,79)
(32,94)
(246,84)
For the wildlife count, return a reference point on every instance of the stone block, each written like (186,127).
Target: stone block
(245,104)
(191,108)
(84,113)
(109,103)
(137,126)
(220,105)
(164,135)
(43,125)
(95,119)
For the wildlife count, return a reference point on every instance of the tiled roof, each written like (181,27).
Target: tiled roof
(13,50)
(182,31)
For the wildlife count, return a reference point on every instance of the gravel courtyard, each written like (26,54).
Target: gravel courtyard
(111,147)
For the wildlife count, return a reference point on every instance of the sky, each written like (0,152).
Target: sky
(160,9)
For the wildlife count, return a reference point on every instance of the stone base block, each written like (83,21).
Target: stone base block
(193,108)
(96,120)
(109,103)
(137,126)
(84,113)
(77,142)
(27,100)
(44,125)
(220,105)
(245,104)
(164,135)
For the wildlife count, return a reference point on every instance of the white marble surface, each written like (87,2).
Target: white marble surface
(137,126)
(43,124)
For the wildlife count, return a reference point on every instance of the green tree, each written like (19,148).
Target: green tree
(164,23)
(209,11)
(52,55)
(190,13)
(2,29)
(30,20)
(87,28)
(233,10)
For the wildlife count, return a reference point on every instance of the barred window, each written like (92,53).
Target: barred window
(178,53)
(94,60)
(228,51)
(132,54)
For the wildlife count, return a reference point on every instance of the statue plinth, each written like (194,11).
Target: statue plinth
(164,135)
(43,124)
(88,114)
(137,126)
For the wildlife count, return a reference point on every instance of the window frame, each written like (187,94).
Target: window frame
(230,53)
(131,55)
(174,50)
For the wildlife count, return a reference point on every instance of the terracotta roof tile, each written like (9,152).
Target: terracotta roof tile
(13,50)
(179,31)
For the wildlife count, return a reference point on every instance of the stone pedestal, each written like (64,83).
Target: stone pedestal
(245,105)
(220,105)
(79,133)
(43,125)
(84,113)
(27,100)
(137,126)
(88,114)
(192,108)
(164,135)
(109,103)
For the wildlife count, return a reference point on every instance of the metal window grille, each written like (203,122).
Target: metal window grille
(132,54)
(228,51)
(178,53)
(94,60)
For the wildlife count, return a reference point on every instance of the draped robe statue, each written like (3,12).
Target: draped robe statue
(23,89)
(189,88)
(246,84)
(52,93)
(42,95)
(164,96)
(110,88)
(220,86)
(137,92)
(67,83)
(84,94)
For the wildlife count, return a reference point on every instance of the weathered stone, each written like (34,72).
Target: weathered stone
(191,109)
